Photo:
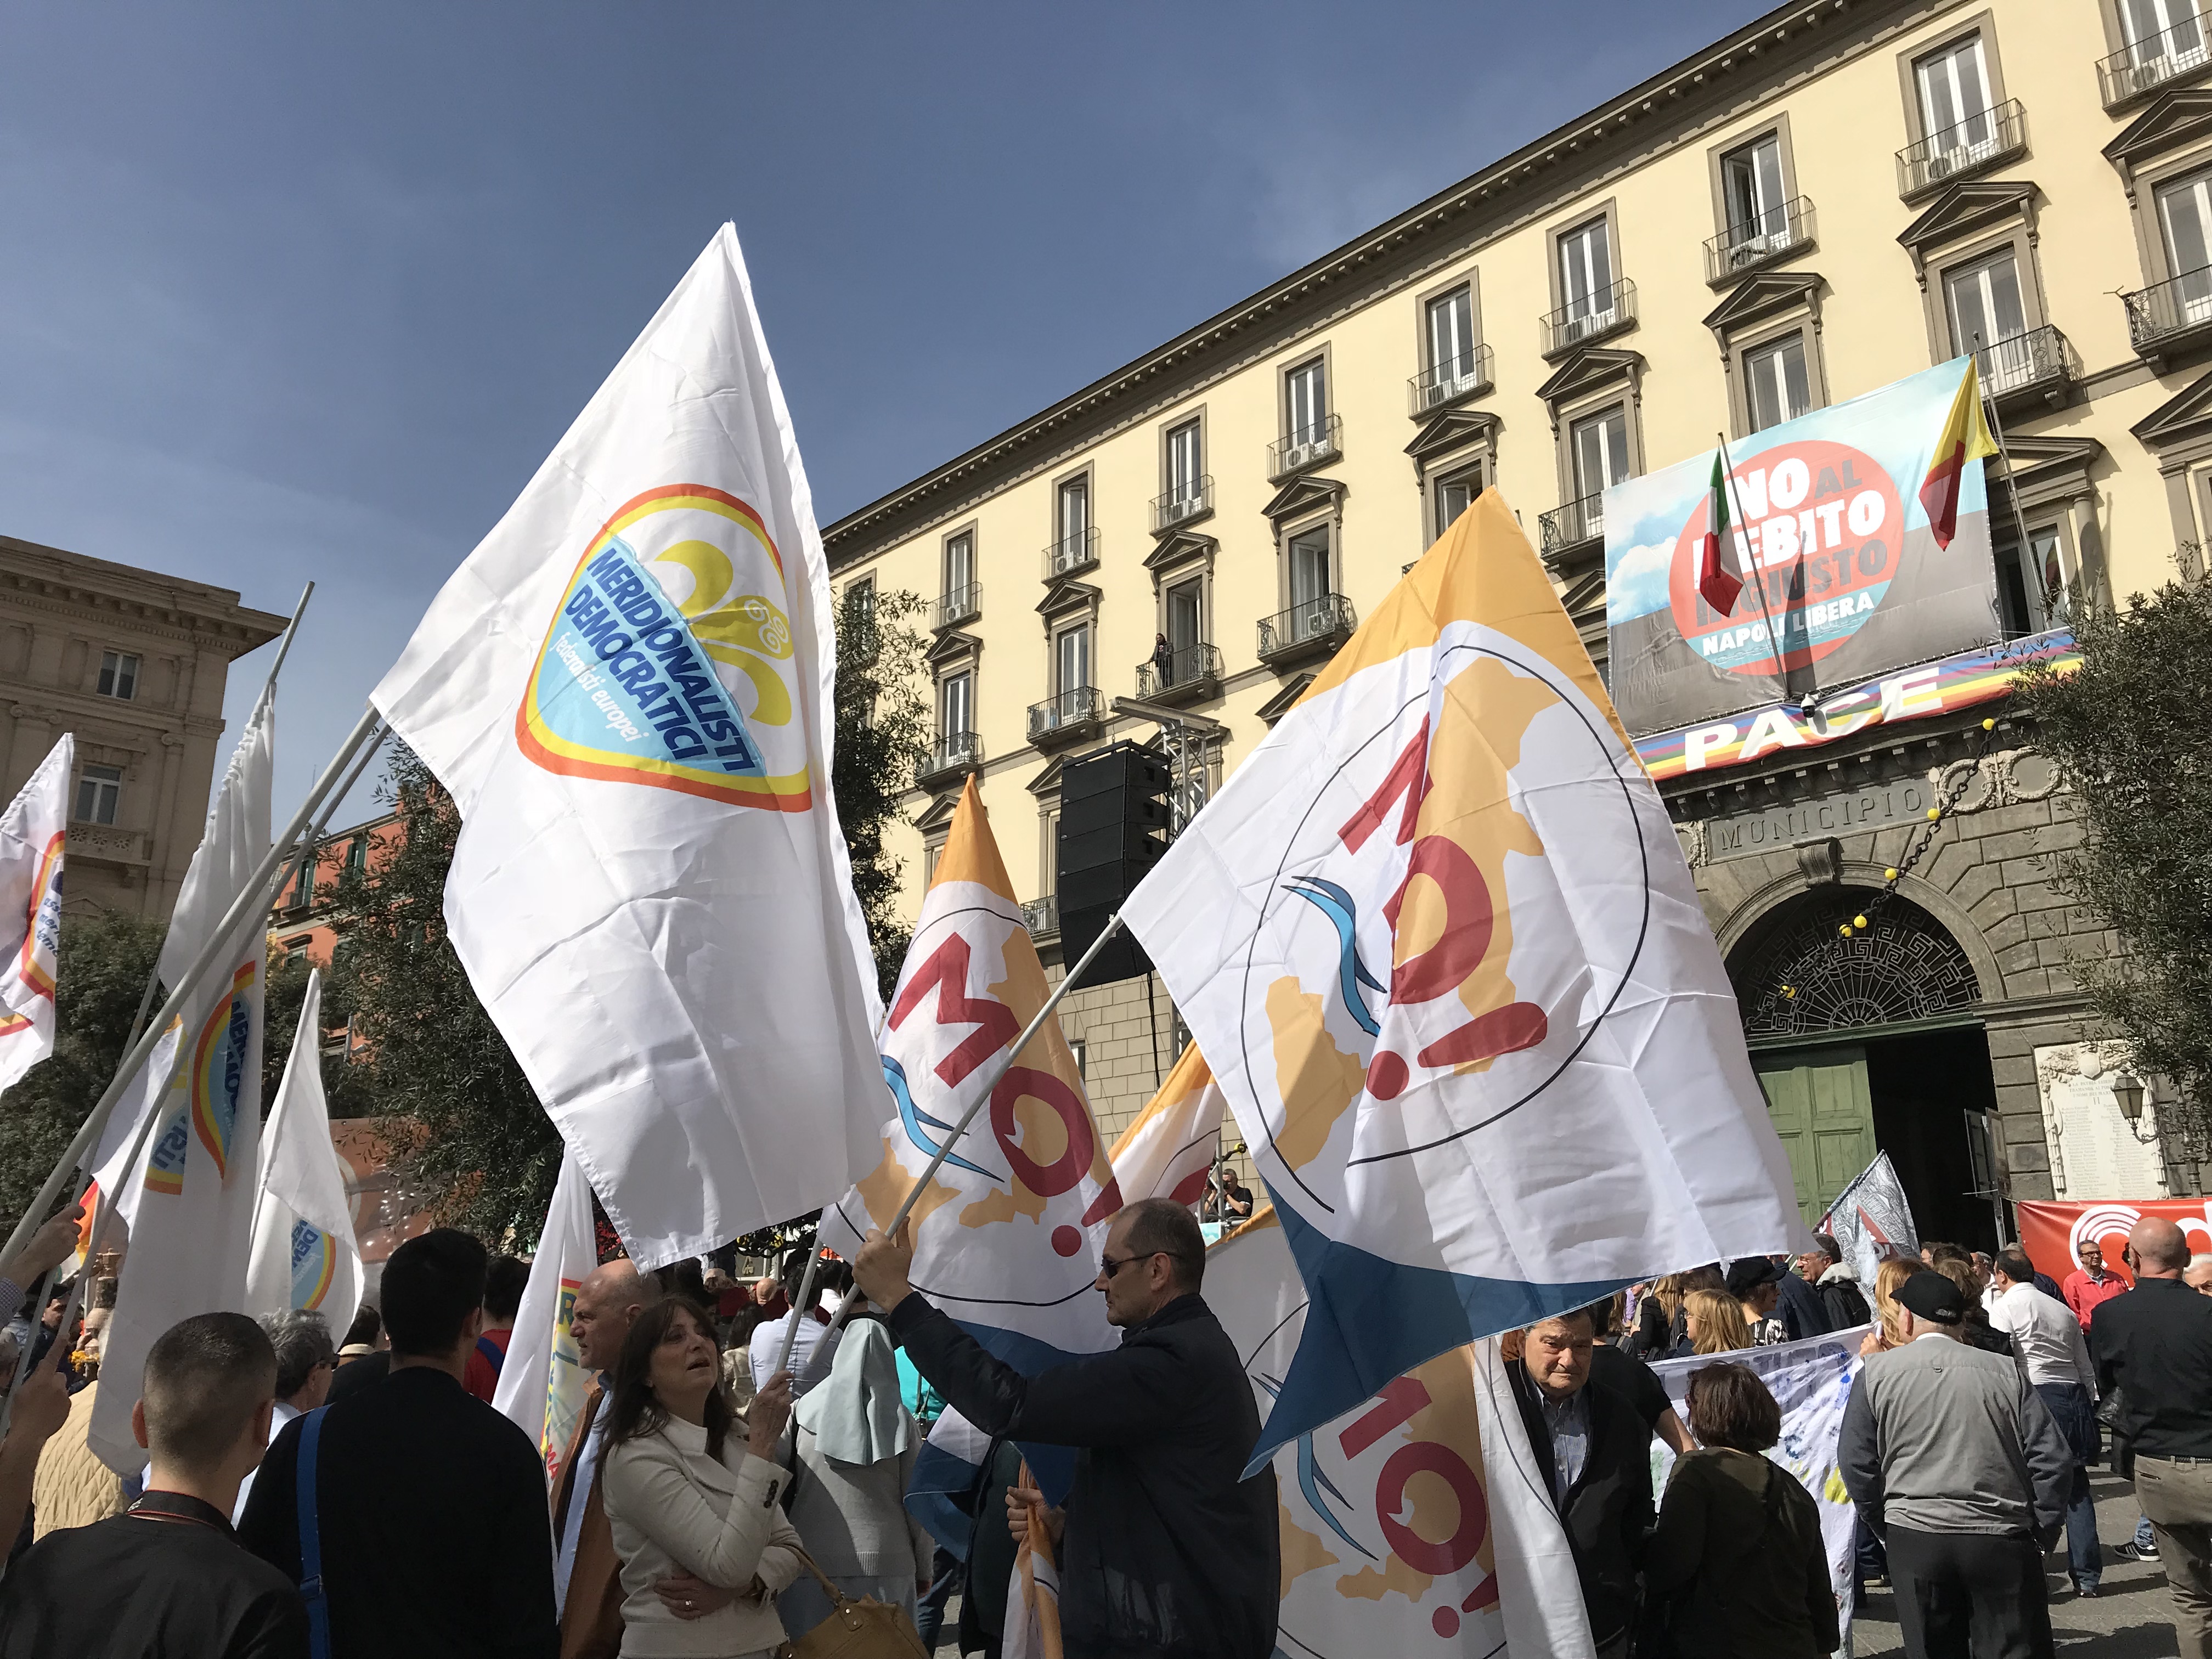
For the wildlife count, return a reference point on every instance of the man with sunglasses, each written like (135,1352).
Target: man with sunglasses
(1165,1551)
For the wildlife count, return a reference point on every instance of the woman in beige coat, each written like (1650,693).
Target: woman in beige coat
(688,1500)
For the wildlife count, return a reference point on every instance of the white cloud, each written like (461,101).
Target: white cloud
(1637,584)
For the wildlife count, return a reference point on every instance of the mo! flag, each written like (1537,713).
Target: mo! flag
(1008,1233)
(1409,1524)
(1167,1151)
(32,832)
(541,1385)
(305,1254)
(628,688)
(1437,941)
(189,1195)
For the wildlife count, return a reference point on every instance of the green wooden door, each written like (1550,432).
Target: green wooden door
(1822,1109)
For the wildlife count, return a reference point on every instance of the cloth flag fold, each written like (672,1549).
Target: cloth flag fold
(32,835)
(1965,436)
(1718,581)
(542,1384)
(305,1253)
(1168,1148)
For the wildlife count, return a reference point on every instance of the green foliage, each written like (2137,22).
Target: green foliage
(884,730)
(2129,734)
(105,959)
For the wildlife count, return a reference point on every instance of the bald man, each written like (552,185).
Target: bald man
(2155,1344)
(586,1573)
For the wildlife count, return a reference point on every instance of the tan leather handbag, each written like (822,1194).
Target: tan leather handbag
(866,1629)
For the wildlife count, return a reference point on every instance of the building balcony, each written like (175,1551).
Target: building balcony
(1314,627)
(1997,134)
(959,605)
(2169,318)
(2027,367)
(953,754)
(1188,500)
(1442,384)
(1042,916)
(1574,528)
(1190,675)
(1595,317)
(2158,60)
(1071,554)
(1756,244)
(108,844)
(1306,448)
(1067,718)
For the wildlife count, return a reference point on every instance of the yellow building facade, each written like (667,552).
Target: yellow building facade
(1837,196)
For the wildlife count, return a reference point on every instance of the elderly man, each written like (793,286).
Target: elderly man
(2091,1286)
(1167,1551)
(1955,1463)
(587,1573)
(1836,1282)
(2155,1344)
(1595,1452)
(307,1359)
(2047,1341)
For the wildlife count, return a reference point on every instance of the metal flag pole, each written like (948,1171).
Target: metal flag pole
(2012,489)
(1758,572)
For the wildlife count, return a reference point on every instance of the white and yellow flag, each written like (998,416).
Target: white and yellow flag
(542,1384)
(32,834)
(1168,1148)
(305,1253)
(628,687)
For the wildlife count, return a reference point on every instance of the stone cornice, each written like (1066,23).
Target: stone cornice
(1781,46)
(206,619)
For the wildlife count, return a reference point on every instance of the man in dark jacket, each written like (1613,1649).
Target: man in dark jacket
(1596,1455)
(1166,1551)
(1838,1281)
(1800,1307)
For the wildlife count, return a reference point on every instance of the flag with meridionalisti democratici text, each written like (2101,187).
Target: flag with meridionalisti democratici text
(305,1254)
(1437,941)
(32,833)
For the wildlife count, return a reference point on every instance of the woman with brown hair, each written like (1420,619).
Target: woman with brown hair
(1713,1323)
(1736,1568)
(1887,1332)
(684,1495)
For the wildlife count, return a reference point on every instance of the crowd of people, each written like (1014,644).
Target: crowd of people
(737,1473)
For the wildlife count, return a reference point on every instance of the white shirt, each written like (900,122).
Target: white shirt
(767,1347)
(2045,1336)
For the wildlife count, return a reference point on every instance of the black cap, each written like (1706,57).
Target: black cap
(1932,1296)
(1748,1273)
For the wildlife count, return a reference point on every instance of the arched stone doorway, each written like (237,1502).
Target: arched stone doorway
(1873,1043)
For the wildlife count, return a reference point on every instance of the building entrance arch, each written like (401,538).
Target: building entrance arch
(1795,974)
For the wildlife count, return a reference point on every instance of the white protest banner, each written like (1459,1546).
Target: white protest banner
(541,1385)
(32,834)
(305,1253)
(629,689)
(1871,1221)
(1437,942)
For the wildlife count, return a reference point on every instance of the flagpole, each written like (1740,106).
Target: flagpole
(2012,490)
(1758,570)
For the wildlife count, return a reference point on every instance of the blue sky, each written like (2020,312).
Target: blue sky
(294,292)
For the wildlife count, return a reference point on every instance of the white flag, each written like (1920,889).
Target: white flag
(628,689)
(197,1180)
(32,833)
(305,1253)
(1167,1151)
(541,1386)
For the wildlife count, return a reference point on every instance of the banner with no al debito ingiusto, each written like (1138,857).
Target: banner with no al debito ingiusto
(1827,530)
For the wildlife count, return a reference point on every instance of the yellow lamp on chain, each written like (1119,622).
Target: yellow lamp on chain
(1933,813)
(1889,874)
(1858,921)
(1845,930)
(1988,726)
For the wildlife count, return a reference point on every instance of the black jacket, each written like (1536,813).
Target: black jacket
(1846,1303)
(2153,1344)
(1607,1511)
(436,1539)
(1169,1551)
(1802,1309)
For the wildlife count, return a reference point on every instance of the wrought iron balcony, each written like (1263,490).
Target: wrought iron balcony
(1042,916)
(1183,676)
(2153,62)
(959,605)
(1070,716)
(1592,317)
(1774,235)
(1313,627)
(1306,446)
(2170,316)
(2025,365)
(1442,384)
(1191,499)
(1566,529)
(1071,554)
(1966,147)
(953,752)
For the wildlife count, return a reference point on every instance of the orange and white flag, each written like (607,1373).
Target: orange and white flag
(1168,1148)
(1033,1598)
(32,833)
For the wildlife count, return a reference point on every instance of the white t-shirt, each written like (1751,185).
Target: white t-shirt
(2046,1335)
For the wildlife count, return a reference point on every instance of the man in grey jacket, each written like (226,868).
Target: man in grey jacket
(1956,1464)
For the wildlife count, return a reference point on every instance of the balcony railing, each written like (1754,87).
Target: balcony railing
(1442,384)
(1971,144)
(2153,61)
(1310,627)
(2162,316)
(1774,235)
(1066,714)
(2036,358)
(1184,671)
(960,604)
(1591,317)
(1191,499)
(1041,915)
(1307,445)
(1071,554)
(1565,528)
(953,751)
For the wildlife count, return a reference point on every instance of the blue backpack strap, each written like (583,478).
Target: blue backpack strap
(494,1355)
(311,1542)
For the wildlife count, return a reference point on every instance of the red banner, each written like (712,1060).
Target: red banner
(2051,1233)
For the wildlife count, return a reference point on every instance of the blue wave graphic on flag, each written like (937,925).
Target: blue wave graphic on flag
(1343,910)
(914,1117)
